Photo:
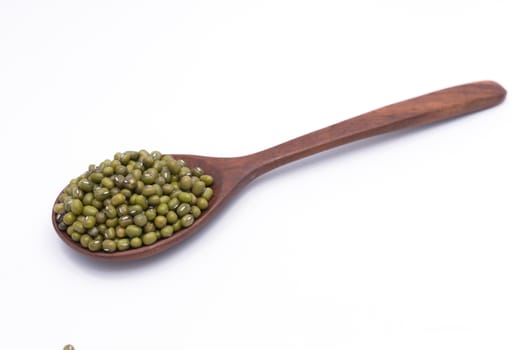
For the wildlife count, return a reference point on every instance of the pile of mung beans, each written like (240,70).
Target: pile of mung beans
(134,200)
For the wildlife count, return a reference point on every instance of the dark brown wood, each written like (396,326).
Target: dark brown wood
(232,174)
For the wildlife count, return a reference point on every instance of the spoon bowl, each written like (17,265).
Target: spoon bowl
(232,174)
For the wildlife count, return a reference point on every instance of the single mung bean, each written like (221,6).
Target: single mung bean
(89,222)
(75,236)
(195,211)
(118,180)
(120,232)
(108,170)
(68,201)
(151,214)
(109,245)
(140,219)
(149,190)
(202,203)
(110,211)
(96,177)
(76,206)
(110,233)
(184,171)
(183,209)
(135,242)
(140,187)
(184,197)
(165,174)
(160,181)
(136,174)
(149,227)
(156,155)
(133,231)
(112,222)
(149,176)
(123,244)
(118,199)
(173,166)
(101,193)
(93,232)
(121,170)
(194,179)
(166,231)
(162,209)
(160,221)
(102,228)
(149,238)
(69,218)
(148,161)
(126,192)
(85,185)
(167,188)
(142,201)
(185,183)
(95,245)
(158,165)
(158,189)
(101,217)
(97,204)
(76,192)
(172,217)
(187,220)
(135,210)
(133,199)
(85,239)
(125,158)
(197,171)
(207,179)
(78,227)
(129,182)
(114,191)
(58,208)
(88,198)
(125,221)
(154,200)
(173,203)
(107,183)
(207,194)
(198,188)
(122,210)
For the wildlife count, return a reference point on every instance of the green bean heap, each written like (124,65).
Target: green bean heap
(136,199)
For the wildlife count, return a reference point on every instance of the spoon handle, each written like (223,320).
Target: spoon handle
(429,108)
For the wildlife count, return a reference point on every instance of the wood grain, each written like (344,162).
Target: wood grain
(232,174)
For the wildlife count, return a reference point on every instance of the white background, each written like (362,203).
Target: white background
(415,240)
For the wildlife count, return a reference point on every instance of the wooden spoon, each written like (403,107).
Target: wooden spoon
(232,174)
